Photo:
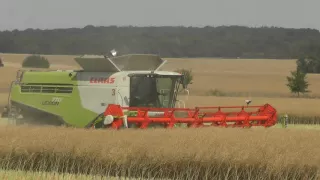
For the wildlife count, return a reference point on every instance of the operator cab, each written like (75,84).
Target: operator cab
(154,90)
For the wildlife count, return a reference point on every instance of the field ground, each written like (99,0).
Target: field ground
(24,175)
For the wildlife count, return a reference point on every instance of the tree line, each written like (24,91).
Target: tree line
(309,64)
(167,41)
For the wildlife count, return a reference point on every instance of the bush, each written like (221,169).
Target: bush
(298,83)
(35,61)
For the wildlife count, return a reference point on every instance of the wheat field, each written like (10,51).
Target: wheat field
(212,153)
(160,153)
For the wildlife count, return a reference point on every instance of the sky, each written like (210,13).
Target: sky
(51,14)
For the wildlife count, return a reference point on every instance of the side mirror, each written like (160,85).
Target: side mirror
(113,52)
(183,82)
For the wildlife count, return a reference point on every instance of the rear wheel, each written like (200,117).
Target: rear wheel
(23,115)
(40,119)
(14,116)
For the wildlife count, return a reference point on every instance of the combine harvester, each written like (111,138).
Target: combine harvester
(118,92)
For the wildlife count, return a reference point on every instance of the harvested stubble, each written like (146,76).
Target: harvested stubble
(207,153)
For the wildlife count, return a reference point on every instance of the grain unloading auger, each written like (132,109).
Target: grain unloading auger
(122,91)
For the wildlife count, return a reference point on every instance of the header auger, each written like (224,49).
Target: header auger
(114,92)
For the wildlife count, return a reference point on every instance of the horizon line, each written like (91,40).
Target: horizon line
(154,26)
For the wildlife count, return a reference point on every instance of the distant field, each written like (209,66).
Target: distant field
(283,105)
(7,74)
(55,59)
(261,80)
(245,77)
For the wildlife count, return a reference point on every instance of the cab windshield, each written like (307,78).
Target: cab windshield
(158,91)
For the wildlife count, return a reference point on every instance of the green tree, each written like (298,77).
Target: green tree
(260,42)
(35,61)
(188,75)
(297,83)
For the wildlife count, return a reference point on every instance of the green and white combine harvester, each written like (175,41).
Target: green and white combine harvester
(116,92)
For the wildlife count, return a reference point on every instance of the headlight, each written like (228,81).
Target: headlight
(108,120)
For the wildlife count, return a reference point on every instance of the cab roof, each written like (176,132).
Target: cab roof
(130,62)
